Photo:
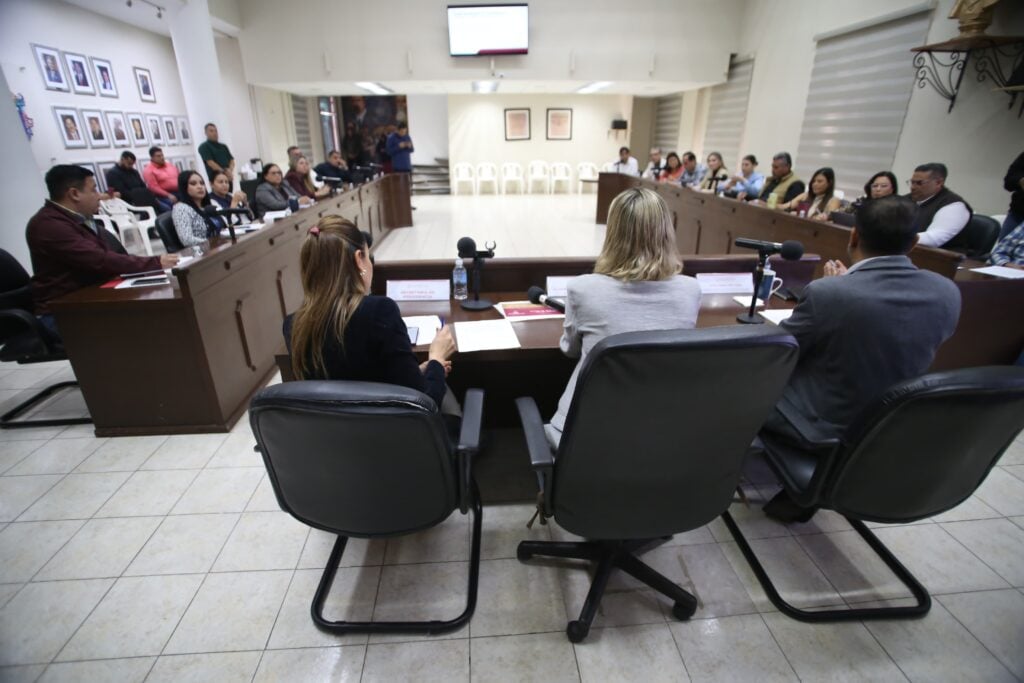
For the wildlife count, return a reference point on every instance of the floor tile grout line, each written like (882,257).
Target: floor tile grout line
(782,650)
(976,636)
(63,545)
(84,619)
(995,571)
(23,458)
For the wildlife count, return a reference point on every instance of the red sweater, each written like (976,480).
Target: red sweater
(68,256)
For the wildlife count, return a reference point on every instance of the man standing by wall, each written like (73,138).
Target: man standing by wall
(400,149)
(216,155)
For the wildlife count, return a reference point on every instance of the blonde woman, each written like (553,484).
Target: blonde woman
(717,174)
(298,178)
(636,285)
(342,332)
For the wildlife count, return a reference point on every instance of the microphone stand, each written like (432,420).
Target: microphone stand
(751,318)
(476,303)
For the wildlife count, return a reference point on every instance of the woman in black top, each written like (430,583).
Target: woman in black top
(342,332)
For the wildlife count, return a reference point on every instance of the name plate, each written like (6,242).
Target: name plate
(557,286)
(419,290)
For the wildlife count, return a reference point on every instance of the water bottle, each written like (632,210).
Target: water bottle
(460,285)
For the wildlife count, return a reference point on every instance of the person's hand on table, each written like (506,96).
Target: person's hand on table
(833,268)
(741,196)
(305,201)
(442,348)
(168,260)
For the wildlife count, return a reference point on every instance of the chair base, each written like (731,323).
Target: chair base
(924,601)
(9,419)
(610,555)
(427,627)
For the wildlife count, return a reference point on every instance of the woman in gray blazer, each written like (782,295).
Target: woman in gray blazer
(636,286)
(273,193)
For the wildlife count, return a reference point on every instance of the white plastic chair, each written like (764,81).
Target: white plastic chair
(585,171)
(538,170)
(463,174)
(486,174)
(511,172)
(561,173)
(124,214)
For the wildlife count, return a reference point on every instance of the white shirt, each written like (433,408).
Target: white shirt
(651,172)
(629,167)
(947,223)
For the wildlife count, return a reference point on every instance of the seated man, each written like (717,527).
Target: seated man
(161,179)
(783,182)
(693,170)
(1009,251)
(124,181)
(656,165)
(335,167)
(941,213)
(68,250)
(626,164)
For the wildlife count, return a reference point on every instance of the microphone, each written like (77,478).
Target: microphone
(536,295)
(329,179)
(467,249)
(791,250)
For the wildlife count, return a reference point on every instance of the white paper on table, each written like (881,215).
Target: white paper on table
(182,260)
(1000,271)
(428,325)
(270,216)
(744,301)
(776,315)
(484,335)
(418,290)
(725,283)
(558,285)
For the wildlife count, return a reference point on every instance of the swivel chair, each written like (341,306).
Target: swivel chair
(168,235)
(977,239)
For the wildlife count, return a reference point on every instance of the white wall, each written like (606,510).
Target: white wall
(276,126)
(477,129)
(428,126)
(244,142)
(22,189)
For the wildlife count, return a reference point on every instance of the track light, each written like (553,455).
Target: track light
(158,8)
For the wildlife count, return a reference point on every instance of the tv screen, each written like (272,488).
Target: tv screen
(475,30)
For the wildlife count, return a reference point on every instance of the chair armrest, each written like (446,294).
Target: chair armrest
(148,210)
(542,458)
(15,322)
(469,444)
(812,447)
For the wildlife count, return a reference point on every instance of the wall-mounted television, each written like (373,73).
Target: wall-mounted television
(475,30)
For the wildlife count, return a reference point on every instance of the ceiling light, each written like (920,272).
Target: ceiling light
(593,87)
(485,86)
(375,88)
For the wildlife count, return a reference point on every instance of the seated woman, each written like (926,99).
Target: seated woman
(748,182)
(273,193)
(222,196)
(673,169)
(190,222)
(817,202)
(341,331)
(717,174)
(298,179)
(882,184)
(635,286)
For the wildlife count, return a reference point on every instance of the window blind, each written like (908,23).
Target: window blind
(727,114)
(667,114)
(300,116)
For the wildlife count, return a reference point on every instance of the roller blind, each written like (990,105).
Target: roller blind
(667,114)
(727,114)
(300,116)
(858,99)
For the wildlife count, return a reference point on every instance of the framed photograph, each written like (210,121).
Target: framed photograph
(137,130)
(192,164)
(70,126)
(48,60)
(156,135)
(78,74)
(118,128)
(559,124)
(184,135)
(169,131)
(102,169)
(517,124)
(104,75)
(145,83)
(179,163)
(91,167)
(95,128)
(143,162)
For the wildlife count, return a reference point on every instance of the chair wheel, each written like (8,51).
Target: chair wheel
(523,554)
(682,611)
(577,631)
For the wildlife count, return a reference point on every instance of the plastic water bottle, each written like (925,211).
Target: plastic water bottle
(460,285)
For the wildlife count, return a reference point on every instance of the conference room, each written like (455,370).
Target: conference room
(516,341)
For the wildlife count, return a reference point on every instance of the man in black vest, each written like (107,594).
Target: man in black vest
(941,213)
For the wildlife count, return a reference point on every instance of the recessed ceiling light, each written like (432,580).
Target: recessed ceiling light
(593,87)
(375,88)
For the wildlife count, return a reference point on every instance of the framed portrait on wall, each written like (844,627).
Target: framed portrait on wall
(118,128)
(78,74)
(50,67)
(559,124)
(70,126)
(102,169)
(179,163)
(137,130)
(143,79)
(95,128)
(92,168)
(184,135)
(104,75)
(517,124)
(156,136)
(169,131)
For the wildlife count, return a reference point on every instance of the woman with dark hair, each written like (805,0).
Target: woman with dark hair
(882,184)
(298,178)
(190,222)
(673,169)
(747,182)
(273,193)
(819,200)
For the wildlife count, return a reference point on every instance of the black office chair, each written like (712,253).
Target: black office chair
(249,188)
(977,238)
(168,235)
(844,218)
(24,340)
(918,450)
(368,460)
(653,445)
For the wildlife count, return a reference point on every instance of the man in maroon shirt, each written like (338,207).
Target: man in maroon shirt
(68,250)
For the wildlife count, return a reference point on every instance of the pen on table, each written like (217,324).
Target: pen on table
(441,318)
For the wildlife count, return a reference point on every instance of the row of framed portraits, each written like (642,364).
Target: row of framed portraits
(81,128)
(559,124)
(71,72)
(100,168)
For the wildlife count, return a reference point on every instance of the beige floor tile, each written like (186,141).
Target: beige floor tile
(418,592)
(8,591)
(516,598)
(997,542)
(832,652)
(739,648)
(996,618)
(76,496)
(37,622)
(122,670)
(445,661)
(1019,521)
(852,567)
(184,452)
(103,548)
(1015,470)
(18,493)
(183,544)
(336,664)
(1003,492)
(27,377)
(123,454)
(359,552)
(446,542)
(222,667)
(136,618)
(76,431)
(794,574)
(705,572)
(938,560)
(972,508)
(57,456)
(237,451)
(29,434)
(624,603)
(14,452)
(221,490)
(531,657)
(263,500)
(1014,455)
(231,612)
(148,493)
(504,526)
(21,674)
(26,546)
(263,540)
(639,653)
(351,598)
(823,522)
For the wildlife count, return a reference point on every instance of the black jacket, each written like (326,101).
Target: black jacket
(1012,184)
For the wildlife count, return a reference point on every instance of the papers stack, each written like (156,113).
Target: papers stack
(485,335)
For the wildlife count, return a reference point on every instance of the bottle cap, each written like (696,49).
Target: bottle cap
(458,262)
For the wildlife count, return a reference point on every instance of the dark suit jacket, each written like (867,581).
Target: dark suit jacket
(859,334)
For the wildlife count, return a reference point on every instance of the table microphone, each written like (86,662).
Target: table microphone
(213,210)
(791,250)
(536,295)
(467,249)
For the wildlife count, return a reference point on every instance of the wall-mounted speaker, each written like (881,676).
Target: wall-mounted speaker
(619,124)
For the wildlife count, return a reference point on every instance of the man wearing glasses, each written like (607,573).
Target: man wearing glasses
(941,213)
